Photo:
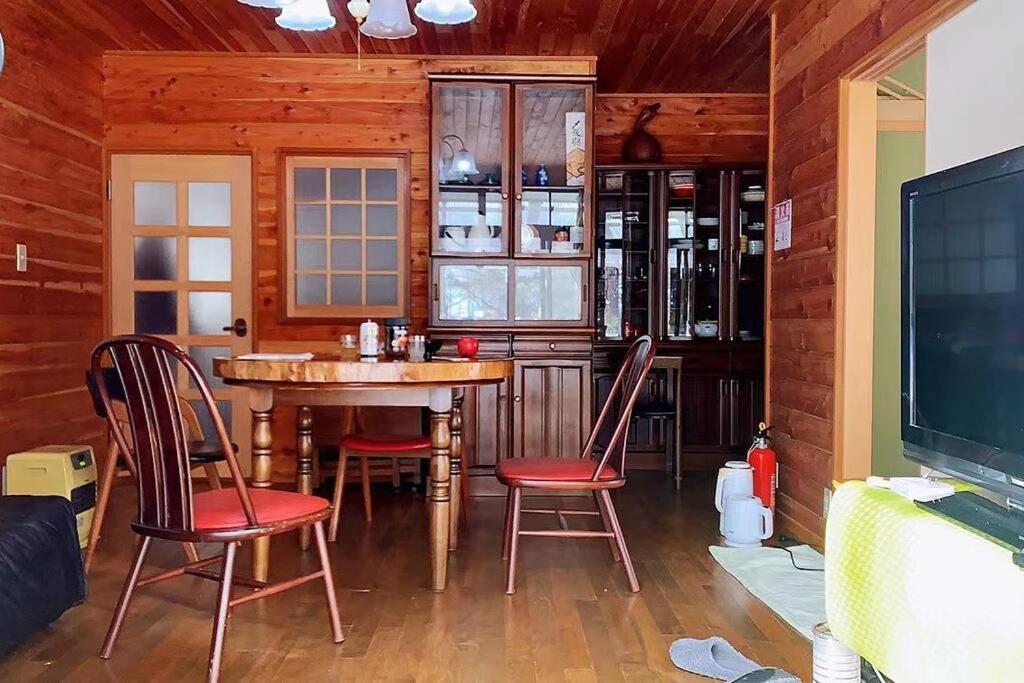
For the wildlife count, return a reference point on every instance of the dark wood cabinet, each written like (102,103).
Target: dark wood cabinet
(551,407)
(679,254)
(511,241)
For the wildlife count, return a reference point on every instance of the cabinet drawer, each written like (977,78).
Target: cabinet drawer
(748,361)
(491,346)
(548,345)
(711,362)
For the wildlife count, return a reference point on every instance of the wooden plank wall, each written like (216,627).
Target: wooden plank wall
(51,200)
(816,44)
(263,103)
(704,128)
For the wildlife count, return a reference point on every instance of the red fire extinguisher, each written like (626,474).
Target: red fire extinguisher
(765,465)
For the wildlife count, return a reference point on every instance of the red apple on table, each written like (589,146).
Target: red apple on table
(468,347)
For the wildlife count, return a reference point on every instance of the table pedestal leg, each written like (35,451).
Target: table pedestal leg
(455,471)
(262,412)
(304,467)
(440,489)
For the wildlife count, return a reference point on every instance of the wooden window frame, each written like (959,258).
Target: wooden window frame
(289,160)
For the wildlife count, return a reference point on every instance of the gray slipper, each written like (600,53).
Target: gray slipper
(713,657)
(770,674)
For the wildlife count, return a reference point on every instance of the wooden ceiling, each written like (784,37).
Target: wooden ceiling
(641,45)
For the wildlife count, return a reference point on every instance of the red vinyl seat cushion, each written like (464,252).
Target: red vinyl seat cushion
(552,469)
(367,444)
(222,509)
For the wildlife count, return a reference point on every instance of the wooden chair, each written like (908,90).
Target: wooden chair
(355,444)
(585,473)
(169,510)
(202,453)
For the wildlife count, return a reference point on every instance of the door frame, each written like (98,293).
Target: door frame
(107,242)
(855,256)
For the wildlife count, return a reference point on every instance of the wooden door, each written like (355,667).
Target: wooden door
(181,264)
(706,410)
(551,414)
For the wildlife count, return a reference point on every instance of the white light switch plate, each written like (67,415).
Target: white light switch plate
(21,258)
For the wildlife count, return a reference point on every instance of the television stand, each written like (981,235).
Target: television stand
(1004,526)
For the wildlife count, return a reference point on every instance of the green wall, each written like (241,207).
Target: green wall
(900,158)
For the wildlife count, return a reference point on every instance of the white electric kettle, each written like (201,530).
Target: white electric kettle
(745,521)
(737,477)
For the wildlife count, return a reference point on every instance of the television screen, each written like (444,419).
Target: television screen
(964,302)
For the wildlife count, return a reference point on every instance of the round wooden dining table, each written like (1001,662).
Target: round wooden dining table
(327,380)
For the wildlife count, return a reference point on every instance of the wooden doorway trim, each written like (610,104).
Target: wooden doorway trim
(855,239)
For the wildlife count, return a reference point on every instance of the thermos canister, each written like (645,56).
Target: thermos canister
(765,465)
(369,339)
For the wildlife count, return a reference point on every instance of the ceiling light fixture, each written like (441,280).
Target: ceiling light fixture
(306,15)
(267,4)
(359,9)
(388,19)
(446,11)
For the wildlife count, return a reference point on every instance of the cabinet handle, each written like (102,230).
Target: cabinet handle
(586,293)
(436,294)
(504,195)
(518,196)
(518,399)
(552,346)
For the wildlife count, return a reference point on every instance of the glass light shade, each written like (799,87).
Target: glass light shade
(358,8)
(445,11)
(306,15)
(464,163)
(268,4)
(388,19)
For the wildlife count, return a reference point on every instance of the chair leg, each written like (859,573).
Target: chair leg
(364,465)
(607,526)
(464,493)
(332,600)
(126,596)
(220,622)
(620,540)
(396,473)
(506,525)
(190,552)
(212,475)
(339,487)
(517,500)
(102,500)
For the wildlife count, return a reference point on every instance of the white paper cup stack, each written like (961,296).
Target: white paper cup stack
(833,661)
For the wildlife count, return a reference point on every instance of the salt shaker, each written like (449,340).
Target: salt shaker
(369,339)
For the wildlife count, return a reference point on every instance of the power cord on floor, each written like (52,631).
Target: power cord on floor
(792,557)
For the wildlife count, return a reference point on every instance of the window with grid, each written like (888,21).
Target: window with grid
(346,219)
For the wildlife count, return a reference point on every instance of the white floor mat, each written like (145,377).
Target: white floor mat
(796,596)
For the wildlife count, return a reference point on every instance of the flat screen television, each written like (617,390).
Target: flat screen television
(963,322)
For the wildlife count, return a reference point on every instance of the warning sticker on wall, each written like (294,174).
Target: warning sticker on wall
(783,224)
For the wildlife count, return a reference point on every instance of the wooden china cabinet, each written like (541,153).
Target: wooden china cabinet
(511,244)
(679,253)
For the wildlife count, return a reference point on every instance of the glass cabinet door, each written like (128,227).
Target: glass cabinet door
(622,253)
(470,129)
(545,292)
(749,247)
(553,153)
(693,265)
(471,293)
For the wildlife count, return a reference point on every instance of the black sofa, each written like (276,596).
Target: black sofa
(41,572)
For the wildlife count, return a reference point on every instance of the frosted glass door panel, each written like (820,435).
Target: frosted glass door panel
(209,259)
(473,293)
(209,205)
(549,293)
(156,203)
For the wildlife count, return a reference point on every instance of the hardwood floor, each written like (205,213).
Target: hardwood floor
(572,619)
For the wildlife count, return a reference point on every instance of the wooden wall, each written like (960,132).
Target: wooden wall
(715,128)
(816,44)
(51,200)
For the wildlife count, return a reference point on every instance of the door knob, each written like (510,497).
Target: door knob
(239,329)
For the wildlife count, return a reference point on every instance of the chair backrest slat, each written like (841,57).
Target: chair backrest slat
(144,377)
(619,405)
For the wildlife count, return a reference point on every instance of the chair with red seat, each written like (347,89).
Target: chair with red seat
(168,509)
(356,444)
(586,473)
